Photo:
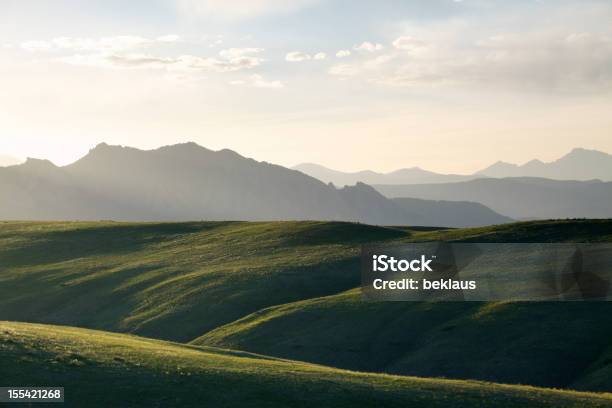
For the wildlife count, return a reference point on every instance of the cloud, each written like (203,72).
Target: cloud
(368,46)
(545,60)
(410,44)
(102,44)
(120,61)
(345,70)
(343,53)
(234,59)
(297,56)
(127,52)
(37,46)
(257,81)
(169,38)
(239,9)
(230,60)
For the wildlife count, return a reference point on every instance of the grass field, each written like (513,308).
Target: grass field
(104,369)
(287,290)
(171,281)
(545,344)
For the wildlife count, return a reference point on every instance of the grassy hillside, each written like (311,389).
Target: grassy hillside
(578,230)
(284,289)
(176,280)
(104,369)
(597,376)
(545,344)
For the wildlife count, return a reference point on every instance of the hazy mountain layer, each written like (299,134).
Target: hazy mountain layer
(189,182)
(520,198)
(451,213)
(412,175)
(579,164)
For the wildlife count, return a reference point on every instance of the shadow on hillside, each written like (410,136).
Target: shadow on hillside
(549,231)
(110,239)
(345,233)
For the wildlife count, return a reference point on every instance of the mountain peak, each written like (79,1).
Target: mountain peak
(497,169)
(580,152)
(578,164)
(183,146)
(31,161)
(500,163)
(533,165)
(534,161)
(187,146)
(33,164)
(106,148)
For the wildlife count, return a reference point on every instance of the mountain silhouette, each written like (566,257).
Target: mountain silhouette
(450,213)
(579,164)
(189,182)
(520,197)
(413,175)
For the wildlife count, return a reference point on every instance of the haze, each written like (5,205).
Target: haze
(450,86)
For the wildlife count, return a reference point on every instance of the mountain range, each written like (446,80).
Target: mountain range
(579,164)
(520,197)
(189,182)
(413,175)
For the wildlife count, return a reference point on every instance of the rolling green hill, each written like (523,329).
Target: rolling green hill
(172,281)
(545,344)
(104,369)
(286,289)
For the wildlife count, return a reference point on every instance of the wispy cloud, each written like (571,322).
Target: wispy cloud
(409,44)
(102,44)
(125,51)
(368,46)
(537,60)
(297,56)
(230,60)
(257,81)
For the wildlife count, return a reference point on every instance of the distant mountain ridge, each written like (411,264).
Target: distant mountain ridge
(520,197)
(189,182)
(413,175)
(579,164)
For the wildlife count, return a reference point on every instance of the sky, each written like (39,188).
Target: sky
(450,86)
